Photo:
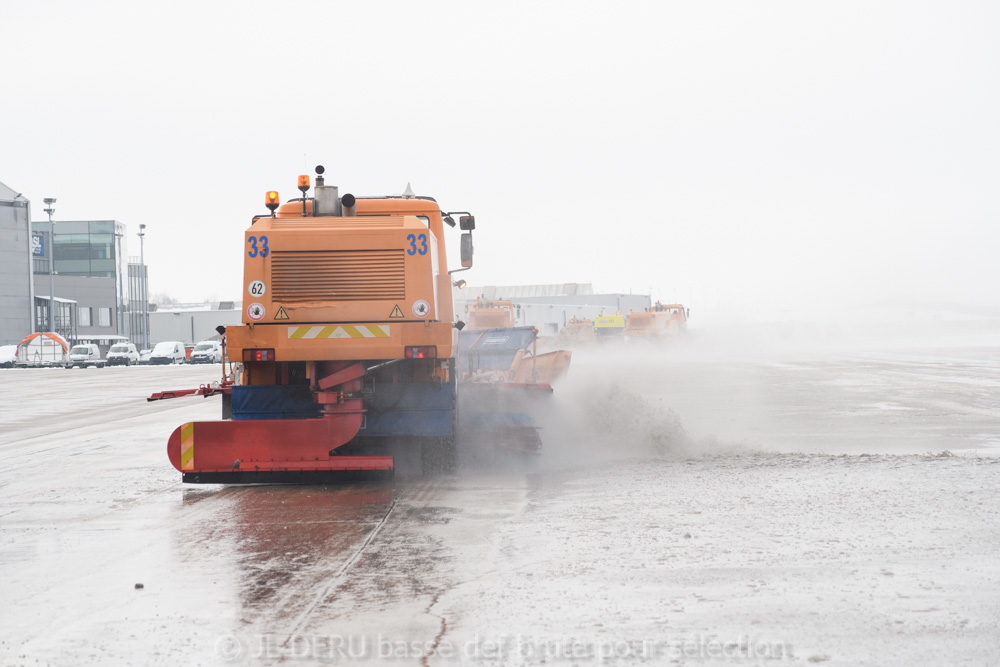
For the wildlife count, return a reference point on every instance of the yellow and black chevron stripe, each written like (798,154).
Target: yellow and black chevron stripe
(340,331)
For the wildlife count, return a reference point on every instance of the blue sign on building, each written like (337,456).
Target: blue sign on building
(38,245)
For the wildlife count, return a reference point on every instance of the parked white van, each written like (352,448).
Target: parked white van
(84,354)
(207,352)
(123,354)
(167,352)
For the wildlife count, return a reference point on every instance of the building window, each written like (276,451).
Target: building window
(85,319)
(105,315)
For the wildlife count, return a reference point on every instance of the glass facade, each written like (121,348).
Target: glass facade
(89,249)
(84,248)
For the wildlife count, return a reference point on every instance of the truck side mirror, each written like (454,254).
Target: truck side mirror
(467,223)
(466,249)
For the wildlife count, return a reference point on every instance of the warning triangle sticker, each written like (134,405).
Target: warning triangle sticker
(281,314)
(396,313)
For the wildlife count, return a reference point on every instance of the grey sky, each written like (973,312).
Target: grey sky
(737,156)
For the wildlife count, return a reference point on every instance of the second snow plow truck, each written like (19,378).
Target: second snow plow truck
(347,346)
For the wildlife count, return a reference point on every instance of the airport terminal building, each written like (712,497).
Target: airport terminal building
(81,267)
(89,277)
(17,295)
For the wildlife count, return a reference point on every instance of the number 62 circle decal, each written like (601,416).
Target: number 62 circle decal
(257,288)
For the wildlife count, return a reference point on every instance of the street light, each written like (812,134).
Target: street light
(50,209)
(142,268)
(118,272)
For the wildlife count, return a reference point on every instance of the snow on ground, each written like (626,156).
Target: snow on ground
(706,503)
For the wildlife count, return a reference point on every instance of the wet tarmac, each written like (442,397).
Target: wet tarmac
(692,507)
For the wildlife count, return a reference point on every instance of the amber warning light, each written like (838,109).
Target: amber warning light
(304,182)
(271,201)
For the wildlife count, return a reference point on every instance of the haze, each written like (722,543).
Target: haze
(748,159)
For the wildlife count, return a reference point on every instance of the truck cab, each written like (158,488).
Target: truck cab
(485,314)
(609,328)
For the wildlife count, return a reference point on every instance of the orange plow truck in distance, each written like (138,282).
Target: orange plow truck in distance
(486,314)
(346,357)
(659,322)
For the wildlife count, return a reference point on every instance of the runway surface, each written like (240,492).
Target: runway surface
(703,504)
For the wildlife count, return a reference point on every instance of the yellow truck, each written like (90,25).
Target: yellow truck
(608,328)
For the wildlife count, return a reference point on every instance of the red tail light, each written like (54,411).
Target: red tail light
(421,351)
(258,355)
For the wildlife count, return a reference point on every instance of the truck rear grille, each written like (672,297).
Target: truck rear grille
(337,275)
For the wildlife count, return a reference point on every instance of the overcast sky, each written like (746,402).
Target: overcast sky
(737,156)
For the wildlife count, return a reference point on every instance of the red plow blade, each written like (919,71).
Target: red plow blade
(271,450)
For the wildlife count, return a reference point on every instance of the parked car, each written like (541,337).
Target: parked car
(82,355)
(207,352)
(123,354)
(167,352)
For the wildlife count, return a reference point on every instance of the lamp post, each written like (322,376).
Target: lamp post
(142,268)
(50,209)
(121,288)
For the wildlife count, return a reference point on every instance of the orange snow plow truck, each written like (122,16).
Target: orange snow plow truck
(660,321)
(347,350)
(486,314)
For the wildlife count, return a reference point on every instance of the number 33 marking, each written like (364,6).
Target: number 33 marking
(413,249)
(262,250)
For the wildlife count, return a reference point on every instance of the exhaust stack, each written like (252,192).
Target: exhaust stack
(348,202)
(326,198)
